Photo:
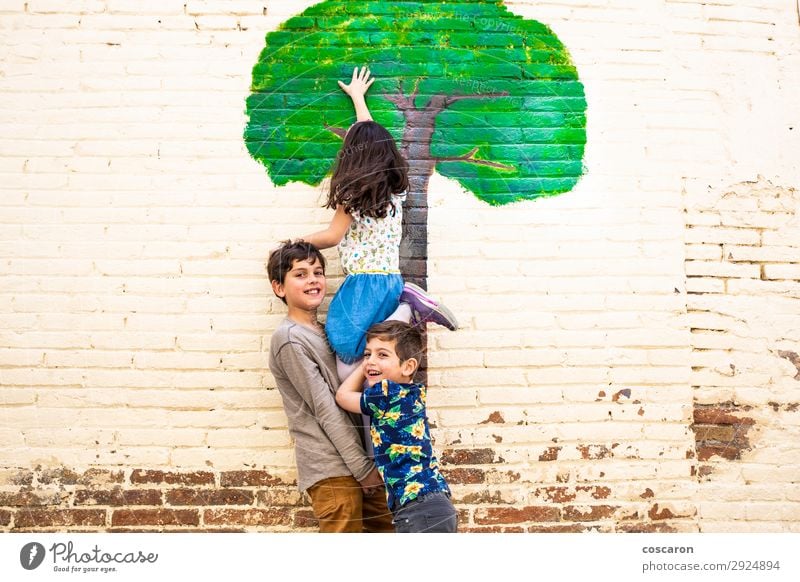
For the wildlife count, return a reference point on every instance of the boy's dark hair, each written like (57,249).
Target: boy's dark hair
(282,259)
(407,338)
(369,170)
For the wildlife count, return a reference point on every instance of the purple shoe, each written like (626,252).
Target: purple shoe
(425,308)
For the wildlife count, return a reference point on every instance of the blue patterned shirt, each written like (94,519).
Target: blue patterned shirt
(402,441)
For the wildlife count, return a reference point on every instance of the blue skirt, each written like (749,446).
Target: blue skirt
(363,299)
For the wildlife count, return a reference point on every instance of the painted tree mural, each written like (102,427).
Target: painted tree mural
(467,88)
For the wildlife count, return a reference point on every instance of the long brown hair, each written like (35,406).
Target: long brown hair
(369,170)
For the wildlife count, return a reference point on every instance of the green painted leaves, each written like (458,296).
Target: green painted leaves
(484,96)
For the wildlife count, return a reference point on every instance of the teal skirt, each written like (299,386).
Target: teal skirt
(363,300)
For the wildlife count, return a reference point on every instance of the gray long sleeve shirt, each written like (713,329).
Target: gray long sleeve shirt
(327,442)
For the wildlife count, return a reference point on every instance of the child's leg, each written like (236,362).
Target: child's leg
(432,513)
(337,503)
(375,513)
(402,313)
(425,308)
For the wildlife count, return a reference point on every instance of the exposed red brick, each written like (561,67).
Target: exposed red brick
(550,454)
(507,515)
(101,477)
(468,456)
(288,496)
(567,528)
(594,451)
(575,513)
(182,530)
(496,529)
(665,513)
(5,517)
(305,518)
(210,497)
(555,494)
(464,476)
(57,476)
(705,470)
(712,414)
(118,497)
(251,517)
(248,479)
(59,518)
(596,491)
(142,517)
(731,453)
(705,432)
(646,528)
(28,498)
(494,418)
(170,478)
(648,494)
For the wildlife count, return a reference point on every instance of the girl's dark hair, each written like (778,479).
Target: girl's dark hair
(369,170)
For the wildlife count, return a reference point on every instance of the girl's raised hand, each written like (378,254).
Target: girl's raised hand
(359,84)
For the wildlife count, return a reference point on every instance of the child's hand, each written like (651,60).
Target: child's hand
(359,84)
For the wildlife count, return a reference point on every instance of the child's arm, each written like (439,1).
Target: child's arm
(357,89)
(331,236)
(348,396)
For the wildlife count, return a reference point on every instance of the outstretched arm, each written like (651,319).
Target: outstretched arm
(348,396)
(331,236)
(357,89)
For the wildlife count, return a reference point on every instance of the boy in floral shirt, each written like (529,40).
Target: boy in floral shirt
(417,494)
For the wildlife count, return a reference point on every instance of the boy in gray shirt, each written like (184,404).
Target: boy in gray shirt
(346,491)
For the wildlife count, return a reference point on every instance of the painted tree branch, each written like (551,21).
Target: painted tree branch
(470,157)
(337,130)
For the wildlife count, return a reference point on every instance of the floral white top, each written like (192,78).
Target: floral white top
(372,245)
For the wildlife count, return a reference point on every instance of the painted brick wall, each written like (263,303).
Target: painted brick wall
(628,358)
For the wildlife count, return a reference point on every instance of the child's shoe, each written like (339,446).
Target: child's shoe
(425,308)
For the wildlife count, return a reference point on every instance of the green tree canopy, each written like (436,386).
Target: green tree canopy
(479,94)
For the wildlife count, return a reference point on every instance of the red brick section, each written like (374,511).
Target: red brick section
(249,517)
(721,431)
(463,476)
(49,518)
(61,499)
(28,498)
(248,479)
(155,517)
(210,497)
(194,478)
(118,497)
(304,518)
(512,515)
(595,512)
(468,456)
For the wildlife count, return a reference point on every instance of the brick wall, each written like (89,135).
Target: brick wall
(628,357)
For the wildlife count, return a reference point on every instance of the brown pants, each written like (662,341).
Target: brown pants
(341,507)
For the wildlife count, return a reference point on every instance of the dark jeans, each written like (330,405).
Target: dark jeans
(431,513)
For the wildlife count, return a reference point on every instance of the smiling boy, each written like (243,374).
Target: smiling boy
(345,488)
(417,492)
